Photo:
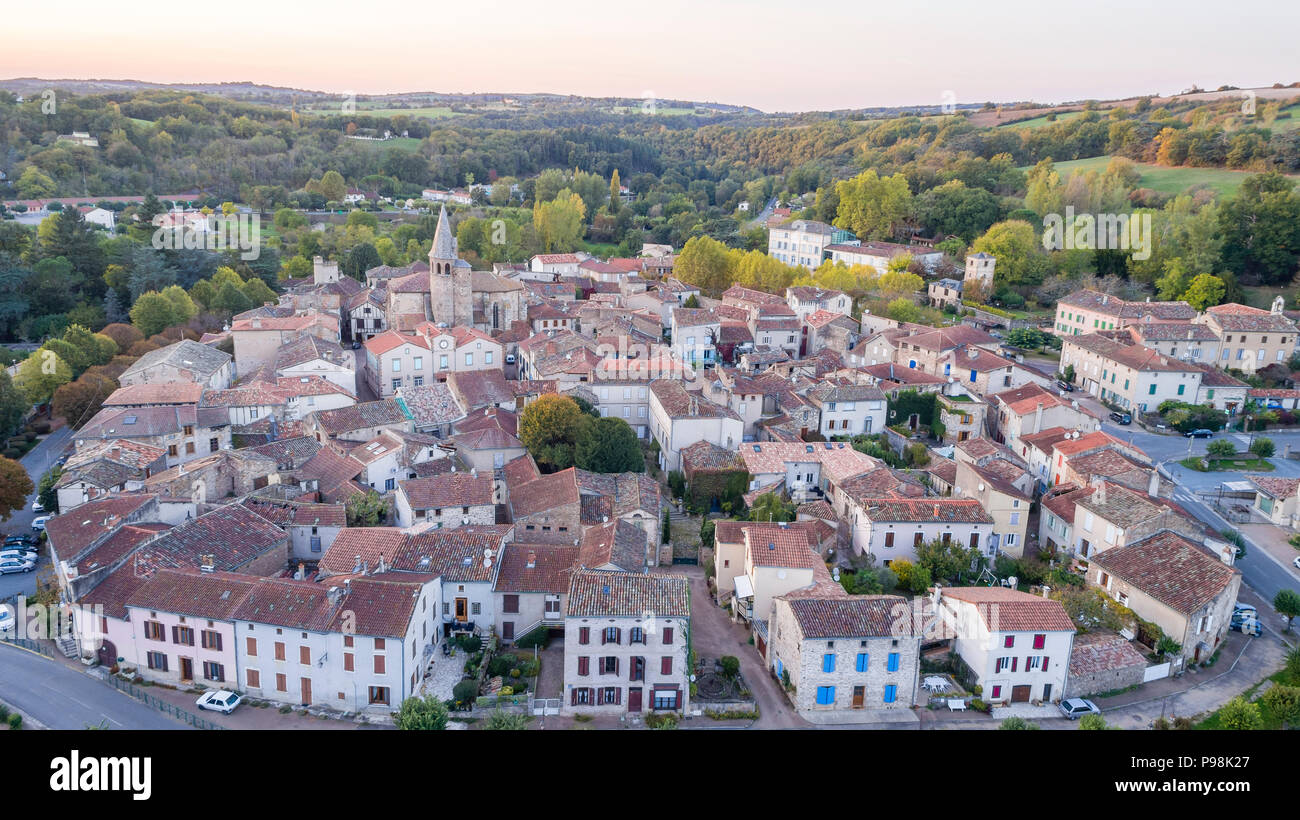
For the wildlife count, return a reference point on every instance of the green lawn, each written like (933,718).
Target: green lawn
(1164,180)
(436,112)
(400,143)
(1038,122)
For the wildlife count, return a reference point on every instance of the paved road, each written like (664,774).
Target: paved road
(37,461)
(64,698)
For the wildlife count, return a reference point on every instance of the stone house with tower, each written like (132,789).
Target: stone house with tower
(979,272)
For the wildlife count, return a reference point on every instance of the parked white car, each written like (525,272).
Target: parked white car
(23,553)
(1075,708)
(38,523)
(38,507)
(219,700)
(7,620)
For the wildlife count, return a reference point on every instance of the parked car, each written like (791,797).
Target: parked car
(219,700)
(1121,418)
(38,523)
(1200,432)
(37,506)
(25,553)
(8,566)
(22,538)
(1296,562)
(1248,626)
(1064,385)
(1240,608)
(1075,708)
(510,358)
(7,619)
(356,345)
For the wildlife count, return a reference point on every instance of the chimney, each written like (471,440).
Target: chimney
(333,595)
(257,323)
(1038,418)
(532,559)
(380,566)
(206,563)
(1046,591)
(358,566)
(116,452)
(1153,486)
(347,586)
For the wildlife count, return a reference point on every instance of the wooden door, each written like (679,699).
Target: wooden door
(187,669)
(306,691)
(859,696)
(1020,694)
(462,609)
(634,699)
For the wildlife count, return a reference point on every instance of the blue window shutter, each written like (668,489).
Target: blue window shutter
(862,661)
(972,375)
(891,693)
(893,662)
(828,662)
(779,667)
(825,695)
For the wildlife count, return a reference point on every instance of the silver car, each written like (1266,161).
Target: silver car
(1075,708)
(219,700)
(8,566)
(21,553)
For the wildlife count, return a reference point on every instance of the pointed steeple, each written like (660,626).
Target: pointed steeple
(443,251)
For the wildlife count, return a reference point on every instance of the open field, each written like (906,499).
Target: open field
(400,143)
(1037,122)
(1165,180)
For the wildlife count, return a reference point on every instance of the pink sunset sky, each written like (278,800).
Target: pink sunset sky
(776,56)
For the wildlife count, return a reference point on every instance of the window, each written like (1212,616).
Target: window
(183,635)
(304,655)
(213,445)
(666,698)
(997,692)
(157,660)
(251,645)
(397,365)
(611,635)
(666,665)
(419,363)
(442,362)
(1183,387)
(584,635)
(281,682)
(510,604)
(828,662)
(279,650)
(1009,642)
(584,666)
(379,664)
(1040,641)
(397,384)
(214,671)
(210,639)
(469,359)
(609,665)
(154,631)
(668,635)
(892,664)
(891,693)
(379,695)
(861,665)
(611,695)
(636,635)
(348,665)
(1151,391)
(826,695)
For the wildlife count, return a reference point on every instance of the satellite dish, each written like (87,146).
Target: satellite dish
(487,563)
(487,552)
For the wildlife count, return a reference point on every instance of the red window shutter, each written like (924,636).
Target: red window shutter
(618,635)
(584,635)
(252,647)
(677,700)
(666,665)
(615,669)
(618,695)
(583,667)
(1045,659)
(668,634)
(176,634)
(573,699)
(1013,664)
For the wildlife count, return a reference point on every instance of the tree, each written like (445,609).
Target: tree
(1204,291)
(1092,723)
(1017,724)
(608,445)
(771,507)
(123,335)
(1287,604)
(871,206)
(1263,447)
(368,509)
(152,313)
(614,192)
(13,404)
(549,427)
(706,263)
(1019,251)
(360,259)
(559,223)
(77,402)
(1221,447)
(15,486)
(1261,228)
(46,494)
(1068,373)
(903,309)
(422,714)
(40,375)
(230,299)
(1240,715)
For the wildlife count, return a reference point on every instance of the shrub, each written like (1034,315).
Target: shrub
(502,664)
(4,712)
(1017,724)
(1263,447)
(41,427)
(666,720)
(286,709)
(530,667)
(1240,714)
(1092,723)
(506,691)
(15,721)
(424,713)
(465,691)
(1221,447)
(514,673)
(500,721)
(470,643)
(1283,702)
(730,665)
(538,638)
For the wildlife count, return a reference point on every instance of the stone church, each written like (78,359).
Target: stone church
(452,293)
